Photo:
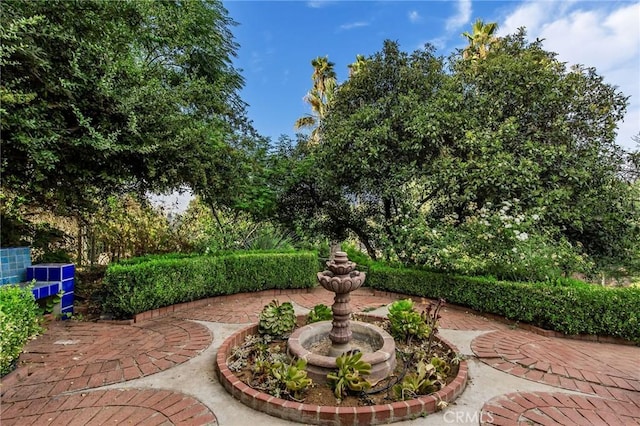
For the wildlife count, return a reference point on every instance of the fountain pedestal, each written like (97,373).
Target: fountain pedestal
(342,278)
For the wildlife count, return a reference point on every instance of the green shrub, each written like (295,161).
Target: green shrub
(564,307)
(134,287)
(19,321)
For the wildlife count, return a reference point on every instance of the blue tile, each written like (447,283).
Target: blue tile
(68,271)
(67,300)
(54,288)
(66,310)
(41,274)
(67,285)
(44,292)
(36,293)
(55,274)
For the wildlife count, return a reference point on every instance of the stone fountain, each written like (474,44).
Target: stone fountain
(378,346)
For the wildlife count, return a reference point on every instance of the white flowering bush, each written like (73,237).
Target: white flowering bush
(499,241)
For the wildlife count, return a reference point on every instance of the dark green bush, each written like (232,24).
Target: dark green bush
(567,308)
(134,287)
(19,321)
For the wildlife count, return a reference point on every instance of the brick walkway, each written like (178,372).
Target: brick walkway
(59,371)
(544,408)
(607,370)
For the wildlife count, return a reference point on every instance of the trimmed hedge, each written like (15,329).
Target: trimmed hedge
(135,287)
(568,309)
(19,322)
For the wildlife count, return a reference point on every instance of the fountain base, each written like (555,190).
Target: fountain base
(382,358)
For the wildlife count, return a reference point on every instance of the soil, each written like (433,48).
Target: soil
(378,394)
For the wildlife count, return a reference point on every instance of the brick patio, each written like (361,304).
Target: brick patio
(60,372)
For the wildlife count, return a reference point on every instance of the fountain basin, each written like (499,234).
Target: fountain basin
(382,360)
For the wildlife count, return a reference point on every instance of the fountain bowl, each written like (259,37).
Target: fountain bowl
(382,360)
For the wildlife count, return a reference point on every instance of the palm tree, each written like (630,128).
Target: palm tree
(481,40)
(320,95)
(357,66)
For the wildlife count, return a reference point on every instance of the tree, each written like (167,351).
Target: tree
(425,145)
(319,97)
(481,40)
(103,98)
(357,66)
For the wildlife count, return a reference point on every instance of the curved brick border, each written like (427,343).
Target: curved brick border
(131,407)
(558,408)
(595,368)
(73,355)
(316,414)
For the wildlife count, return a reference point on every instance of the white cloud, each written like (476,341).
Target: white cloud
(414,16)
(592,34)
(353,25)
(462,16)
(317,4)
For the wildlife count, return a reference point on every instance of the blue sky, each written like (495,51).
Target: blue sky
(278,39)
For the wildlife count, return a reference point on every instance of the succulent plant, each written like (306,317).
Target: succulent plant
(427,379)
(292,377)
(350,375)
(277,320)
(319,312)
(406,322)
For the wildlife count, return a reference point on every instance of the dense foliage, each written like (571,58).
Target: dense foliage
(19,321)
(503,163)
(159,281)
(102,97)
(567,307)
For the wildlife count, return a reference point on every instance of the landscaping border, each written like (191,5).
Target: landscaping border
(331,415)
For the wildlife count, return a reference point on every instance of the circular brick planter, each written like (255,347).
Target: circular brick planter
(331,415)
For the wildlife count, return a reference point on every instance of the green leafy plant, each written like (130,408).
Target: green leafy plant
(49,304)
(572,310)
(350,375)
(428,378)
(292,378)
(19,321)
(406,322)
(277,320)
(319,312)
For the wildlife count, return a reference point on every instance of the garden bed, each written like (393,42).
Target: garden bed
(319,405)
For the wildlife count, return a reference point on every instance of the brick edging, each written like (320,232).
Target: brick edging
(317,414)
(524,326)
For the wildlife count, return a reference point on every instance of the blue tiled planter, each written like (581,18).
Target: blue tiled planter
(13,264)
(51,279)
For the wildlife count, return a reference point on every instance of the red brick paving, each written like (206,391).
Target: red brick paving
(558,409)
(132,406)
(245,308)
(604,369)
(75,356)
